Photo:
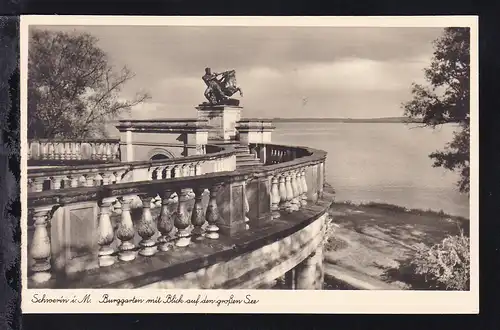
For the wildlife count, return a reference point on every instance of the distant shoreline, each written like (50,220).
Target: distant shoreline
(348,120)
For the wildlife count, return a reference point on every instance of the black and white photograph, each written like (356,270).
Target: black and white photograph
(227,156)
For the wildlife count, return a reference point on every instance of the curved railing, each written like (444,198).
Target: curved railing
(243,206)
(60,177)
(77,149)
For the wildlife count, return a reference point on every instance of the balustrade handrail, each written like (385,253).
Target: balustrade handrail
(82,194)
(63,140)
(62,170)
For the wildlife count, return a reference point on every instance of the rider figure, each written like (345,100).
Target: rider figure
(214,91)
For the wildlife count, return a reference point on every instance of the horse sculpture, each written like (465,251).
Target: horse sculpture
(221,86)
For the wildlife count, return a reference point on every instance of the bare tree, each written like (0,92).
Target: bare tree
(72,88)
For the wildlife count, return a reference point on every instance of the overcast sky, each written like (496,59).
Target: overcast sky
(283,71)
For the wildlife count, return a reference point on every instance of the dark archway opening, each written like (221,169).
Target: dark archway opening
(159,157)
(155,174)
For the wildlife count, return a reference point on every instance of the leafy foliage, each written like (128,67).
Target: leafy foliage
(447,99)
(72,88)
(447,263)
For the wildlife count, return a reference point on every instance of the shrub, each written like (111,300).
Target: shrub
(447,263)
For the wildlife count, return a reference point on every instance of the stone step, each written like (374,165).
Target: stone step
(246,156)
(245,163)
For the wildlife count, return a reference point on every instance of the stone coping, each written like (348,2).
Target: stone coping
(81,194)
(225,151)
(200,254)
(254,124)
(210,107)
(163,125)
(57,140)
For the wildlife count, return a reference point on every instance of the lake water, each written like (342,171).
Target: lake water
(382,162)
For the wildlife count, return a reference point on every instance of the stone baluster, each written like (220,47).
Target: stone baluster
(146,228)
(78,150)
(299,186)
(289,192)
(106,178)
(168,172)
(125,231)
(246,206)
(177,171)
(72,151)
(192,169)
(67,150)
(100,151)
(103,147)
(29,150)
(89,180)
(151,173)
(181,221)
(40,245)
(198,216)
(295,191)
(106,233)
(118,176)
(73,181)
(116,151)
(38,184)
(82,181)
(51,151)
(111,178)
(60,151)
(304,187)
(198,170)
(56,152)
(93,148)
(55,182)
(98,180)
(109,151)
(275,197)
(282,191)
(43,150)
(321,176)
(185,170)
(159,172)
(212,214)
(165,222)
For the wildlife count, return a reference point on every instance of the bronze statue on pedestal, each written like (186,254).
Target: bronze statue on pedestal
(220,87)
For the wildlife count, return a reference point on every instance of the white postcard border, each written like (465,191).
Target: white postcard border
(270,301)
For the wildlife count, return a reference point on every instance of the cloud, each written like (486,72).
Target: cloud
(358,74)
(342,71)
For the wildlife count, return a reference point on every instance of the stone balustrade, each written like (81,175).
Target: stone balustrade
(60,177)
(190,207)
(274,154)
(60,149)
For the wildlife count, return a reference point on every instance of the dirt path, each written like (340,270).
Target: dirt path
(372,246)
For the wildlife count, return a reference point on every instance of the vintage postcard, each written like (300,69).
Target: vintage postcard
(249,164)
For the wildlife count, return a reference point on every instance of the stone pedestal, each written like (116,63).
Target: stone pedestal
(230,202)
(255,133)
(222,120)
(255,130)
